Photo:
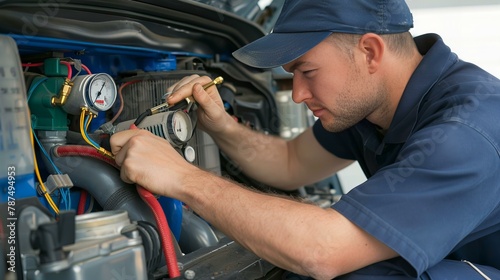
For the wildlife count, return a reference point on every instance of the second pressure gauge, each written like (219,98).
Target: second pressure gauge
(174,126)
(96,92)
(180,127)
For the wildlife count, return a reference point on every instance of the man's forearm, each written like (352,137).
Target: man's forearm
(262,157)
(299,237)
(283,164)
(256,221)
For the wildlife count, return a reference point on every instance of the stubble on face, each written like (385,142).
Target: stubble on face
(355,101)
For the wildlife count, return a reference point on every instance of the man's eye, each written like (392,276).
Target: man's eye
(308,72)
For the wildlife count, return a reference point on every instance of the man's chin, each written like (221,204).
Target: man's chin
(334,126)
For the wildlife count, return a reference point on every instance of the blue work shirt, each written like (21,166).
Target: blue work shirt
(433,188)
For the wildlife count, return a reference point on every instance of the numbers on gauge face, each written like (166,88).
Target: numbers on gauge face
(182,126)
(102,92)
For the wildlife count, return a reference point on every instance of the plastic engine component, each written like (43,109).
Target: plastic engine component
(16,162)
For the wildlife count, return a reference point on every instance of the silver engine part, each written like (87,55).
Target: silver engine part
(107,246)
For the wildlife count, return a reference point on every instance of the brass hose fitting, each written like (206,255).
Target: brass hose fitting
(63,94)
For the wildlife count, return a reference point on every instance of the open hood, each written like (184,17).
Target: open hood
(173,26)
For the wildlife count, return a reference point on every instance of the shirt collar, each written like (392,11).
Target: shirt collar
(437,59)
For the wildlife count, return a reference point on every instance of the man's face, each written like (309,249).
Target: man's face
(335,86)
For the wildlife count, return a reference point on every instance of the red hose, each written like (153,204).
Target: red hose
(81,203)
(161,221)
(78,150)
(166,238)
(160,218)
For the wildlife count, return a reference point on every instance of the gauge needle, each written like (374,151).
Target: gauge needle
(99,92)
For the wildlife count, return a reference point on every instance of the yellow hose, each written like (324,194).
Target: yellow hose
(42,185)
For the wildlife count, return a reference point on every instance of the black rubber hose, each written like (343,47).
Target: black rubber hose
(103,182)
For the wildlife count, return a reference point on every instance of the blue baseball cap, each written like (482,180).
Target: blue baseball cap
(303,24)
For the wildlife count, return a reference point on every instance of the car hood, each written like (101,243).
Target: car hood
(173,26)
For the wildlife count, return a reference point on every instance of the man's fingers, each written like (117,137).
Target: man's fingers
(185,84)
(120,139)
(182,82)
(184,88)
(202,97)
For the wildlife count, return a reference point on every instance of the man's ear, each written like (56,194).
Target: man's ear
(373,48)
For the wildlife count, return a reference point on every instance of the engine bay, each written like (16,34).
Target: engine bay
(72,73)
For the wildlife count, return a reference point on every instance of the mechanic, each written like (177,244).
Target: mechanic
(422,124)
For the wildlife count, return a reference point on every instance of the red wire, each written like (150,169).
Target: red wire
(68,65)
(120,95)
(86,69)
(70,70)
(32,64)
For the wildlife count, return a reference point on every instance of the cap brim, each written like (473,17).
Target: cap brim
(278,49)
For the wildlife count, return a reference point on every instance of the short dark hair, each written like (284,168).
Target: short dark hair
(399,43)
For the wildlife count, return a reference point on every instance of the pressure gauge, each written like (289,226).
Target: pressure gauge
(180,126)
(96,92)
(101,92)
(174,126)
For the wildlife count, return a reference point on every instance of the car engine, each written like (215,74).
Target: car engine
(72,73)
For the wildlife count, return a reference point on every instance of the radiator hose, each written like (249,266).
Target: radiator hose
(169,250)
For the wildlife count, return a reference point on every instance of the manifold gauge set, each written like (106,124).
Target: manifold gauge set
(175,126)
(98,92)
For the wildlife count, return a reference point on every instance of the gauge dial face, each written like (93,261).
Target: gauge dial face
(182,128)
(102,92)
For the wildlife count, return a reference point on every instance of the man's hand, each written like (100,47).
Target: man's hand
(212,117)
(150,161)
